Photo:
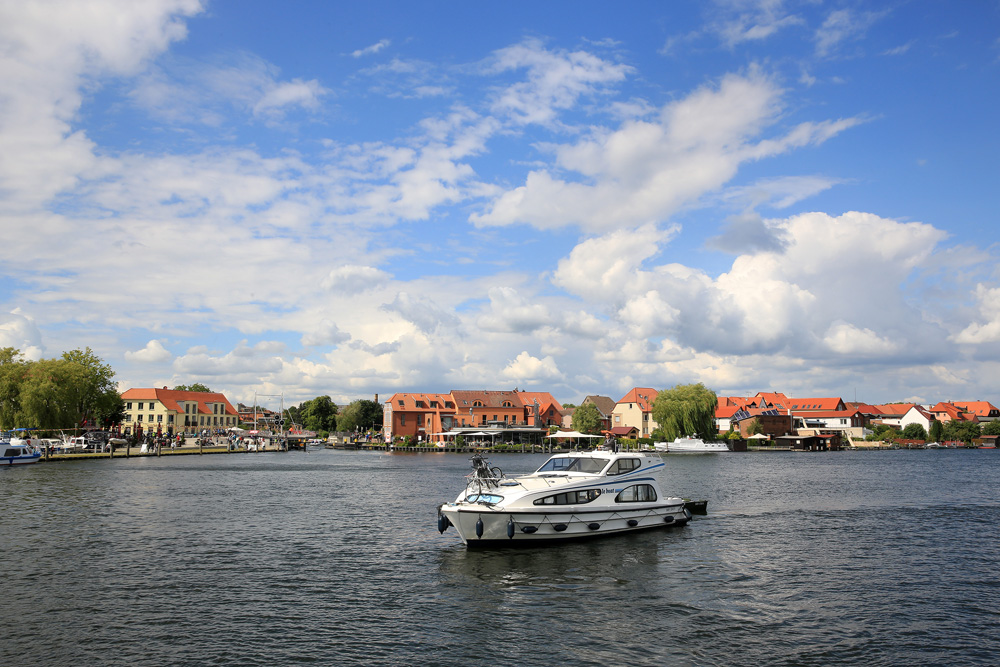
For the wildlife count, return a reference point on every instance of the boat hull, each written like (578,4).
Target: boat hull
(489,527)
(20,460)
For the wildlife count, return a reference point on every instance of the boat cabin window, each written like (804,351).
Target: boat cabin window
(485,498)
(12,452)
(638,493)
(574,464)
(570,498)
(624,465)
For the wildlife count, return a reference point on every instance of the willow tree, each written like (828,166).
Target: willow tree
(687,409)
(56,393)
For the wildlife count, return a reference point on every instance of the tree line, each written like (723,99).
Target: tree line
(76,390)
(323,416)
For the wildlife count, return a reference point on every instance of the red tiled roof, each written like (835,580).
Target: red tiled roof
(773,399)
(891,409)
(465,399)
(643,396)
(170,397)
(978,408)
(419,401)
(726,411)
(798,404)
(545,400)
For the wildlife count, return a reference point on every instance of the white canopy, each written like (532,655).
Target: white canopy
(572,434)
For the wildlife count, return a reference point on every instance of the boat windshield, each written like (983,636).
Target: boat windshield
(589,464)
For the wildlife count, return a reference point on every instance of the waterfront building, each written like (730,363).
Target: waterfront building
(540,408)
(482,409)
(947,412)
(418,415)
(431,417)
(918,415)
(984,410)
(169,411)
(636,409)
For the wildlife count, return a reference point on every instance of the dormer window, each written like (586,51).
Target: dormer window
(477,404)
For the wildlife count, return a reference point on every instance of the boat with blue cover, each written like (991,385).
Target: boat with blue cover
(15,450)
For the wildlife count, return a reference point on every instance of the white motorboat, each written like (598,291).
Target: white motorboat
(688,444)
(16,451)
(572,496)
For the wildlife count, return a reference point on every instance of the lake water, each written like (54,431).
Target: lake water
(334,558)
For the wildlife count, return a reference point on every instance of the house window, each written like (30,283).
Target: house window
(128,406)
(402,420)
(138,418)
(140,406)
(477,404)
(159,418)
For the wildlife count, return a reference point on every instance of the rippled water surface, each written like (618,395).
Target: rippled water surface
(331,557)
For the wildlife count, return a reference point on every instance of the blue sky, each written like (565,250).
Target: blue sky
(356,198)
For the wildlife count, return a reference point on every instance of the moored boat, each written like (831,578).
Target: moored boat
(571,496)
(688,444)
(17,451)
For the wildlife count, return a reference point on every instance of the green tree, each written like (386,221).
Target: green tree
(57,393)
(914,432)
(197,386)
(937,431)
(687,409)
(319,414)
(360,415)
(883,432)
(13,368)
(755,427)
(991,428)
(92,392)
(587,419)
(962,430)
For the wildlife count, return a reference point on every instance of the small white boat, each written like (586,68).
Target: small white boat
(572,496)
(688,444)
(17,451)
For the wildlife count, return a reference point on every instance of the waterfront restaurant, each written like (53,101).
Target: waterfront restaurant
(167,411)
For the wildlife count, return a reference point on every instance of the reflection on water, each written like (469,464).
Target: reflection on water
(334,558)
